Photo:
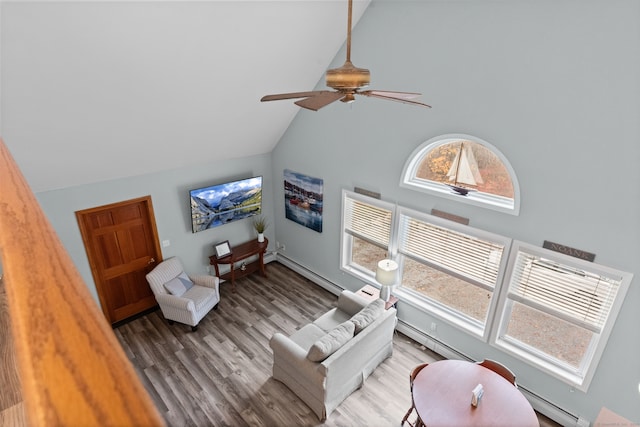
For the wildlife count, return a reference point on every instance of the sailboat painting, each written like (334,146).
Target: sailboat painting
(303,199)
(464,171)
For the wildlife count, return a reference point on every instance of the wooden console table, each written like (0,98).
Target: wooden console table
(239,253)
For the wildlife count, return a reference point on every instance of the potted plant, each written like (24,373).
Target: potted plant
(260,224)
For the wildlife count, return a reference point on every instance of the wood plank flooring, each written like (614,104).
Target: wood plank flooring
(221,374)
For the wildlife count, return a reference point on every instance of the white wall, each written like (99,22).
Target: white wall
(170,197)
(555,86)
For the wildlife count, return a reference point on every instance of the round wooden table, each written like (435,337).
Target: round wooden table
(442,397)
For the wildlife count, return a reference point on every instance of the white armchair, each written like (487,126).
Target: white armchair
(182,298)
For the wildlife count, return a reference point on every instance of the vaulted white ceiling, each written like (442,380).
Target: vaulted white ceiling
(93,91)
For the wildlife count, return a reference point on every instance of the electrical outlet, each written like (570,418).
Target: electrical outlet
(283,248)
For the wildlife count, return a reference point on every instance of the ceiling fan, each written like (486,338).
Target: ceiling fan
(347,81)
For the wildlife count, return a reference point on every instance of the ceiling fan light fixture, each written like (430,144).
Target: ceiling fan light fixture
(348,77)
(348,98)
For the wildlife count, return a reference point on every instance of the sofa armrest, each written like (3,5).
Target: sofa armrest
(294,357)
(175,302)
(351,356)
(351,303)
(205,280)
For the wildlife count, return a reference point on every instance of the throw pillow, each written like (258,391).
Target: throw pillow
(331,342)
(185,279)
(367,315)
(179,285)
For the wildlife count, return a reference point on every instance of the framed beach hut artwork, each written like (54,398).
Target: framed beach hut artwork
(303,199)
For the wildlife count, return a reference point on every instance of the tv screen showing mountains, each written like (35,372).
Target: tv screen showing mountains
(223,203)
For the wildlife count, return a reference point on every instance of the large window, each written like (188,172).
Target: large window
(549,309)
(464,168)
(366,225)
(570,303)
(453,268)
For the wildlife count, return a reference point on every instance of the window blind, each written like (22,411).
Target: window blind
(366,221)
(466,255)
(577,296)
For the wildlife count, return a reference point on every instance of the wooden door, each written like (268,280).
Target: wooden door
(122,245)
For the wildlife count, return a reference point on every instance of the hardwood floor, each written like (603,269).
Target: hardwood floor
(221,374)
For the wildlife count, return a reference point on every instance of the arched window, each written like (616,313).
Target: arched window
(466,169)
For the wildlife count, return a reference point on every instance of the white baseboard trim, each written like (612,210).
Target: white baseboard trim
(270,257)
(309,274)
(429,342)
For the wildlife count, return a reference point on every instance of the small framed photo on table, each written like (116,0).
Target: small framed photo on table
(223,249)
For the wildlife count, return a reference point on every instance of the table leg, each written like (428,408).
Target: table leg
(233,277)
(263,270)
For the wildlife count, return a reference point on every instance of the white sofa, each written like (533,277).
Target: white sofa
(324,384)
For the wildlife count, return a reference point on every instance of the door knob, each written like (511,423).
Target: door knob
(151,261)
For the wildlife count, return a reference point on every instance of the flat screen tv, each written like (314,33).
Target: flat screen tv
(223,203)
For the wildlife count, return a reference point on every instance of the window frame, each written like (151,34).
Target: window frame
(346,236)
(435,308)
(581,377)
(500,306)
(491,201)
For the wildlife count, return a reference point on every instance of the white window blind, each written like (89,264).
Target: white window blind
(367,221)
(468,256)
(574,295)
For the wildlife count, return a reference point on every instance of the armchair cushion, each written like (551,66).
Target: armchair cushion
(179,285)
(331,342)
(367,315)
(201,297)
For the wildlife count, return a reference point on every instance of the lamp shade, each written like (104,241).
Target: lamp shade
(386,272)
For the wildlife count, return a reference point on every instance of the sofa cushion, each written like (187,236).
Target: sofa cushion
(331,342)
(307,335)
(331,319)
(367,315)
(351,303)
(179,285)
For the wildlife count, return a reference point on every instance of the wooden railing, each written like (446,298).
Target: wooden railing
(72,369)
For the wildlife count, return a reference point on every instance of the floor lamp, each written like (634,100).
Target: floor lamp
(386,276)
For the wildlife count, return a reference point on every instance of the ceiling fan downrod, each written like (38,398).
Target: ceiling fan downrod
(348,77)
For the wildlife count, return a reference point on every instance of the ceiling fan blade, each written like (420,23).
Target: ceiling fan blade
(291,95)
(404,97)
(320,100)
